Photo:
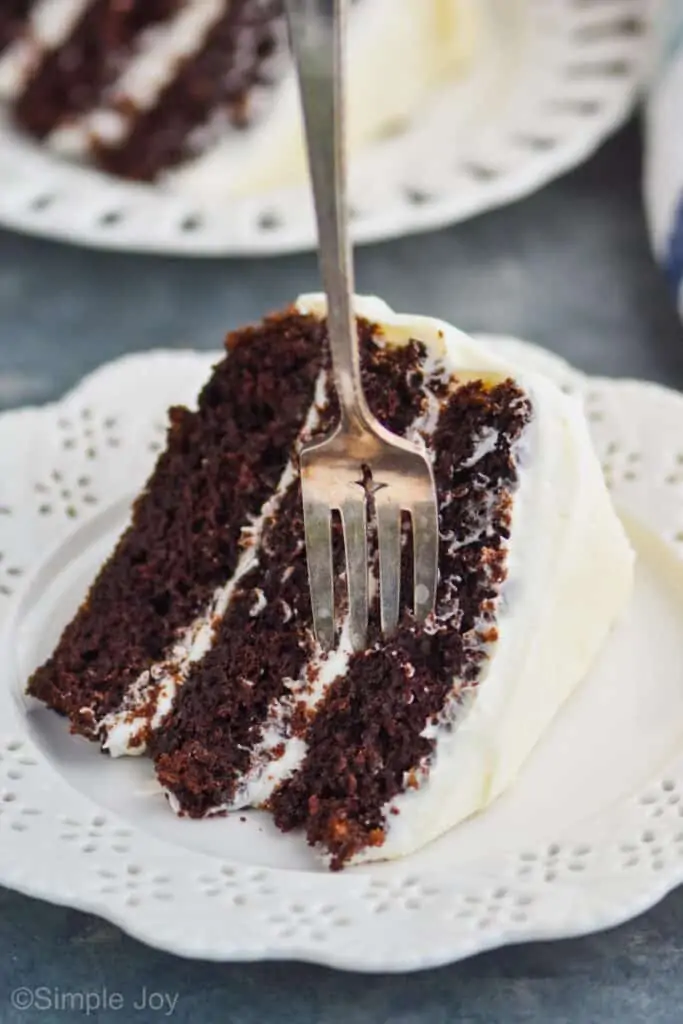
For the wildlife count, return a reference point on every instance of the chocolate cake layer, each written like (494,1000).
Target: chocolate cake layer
(215,84)
(70,79)
(221,464)
(264,642)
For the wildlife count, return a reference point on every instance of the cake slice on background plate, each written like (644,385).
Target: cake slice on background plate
(195,648)
(203,91)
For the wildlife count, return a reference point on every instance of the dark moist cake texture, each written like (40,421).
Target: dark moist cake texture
(220,465)
(261,716)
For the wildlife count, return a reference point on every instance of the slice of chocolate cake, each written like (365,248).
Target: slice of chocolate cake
(202,92)
(195,646)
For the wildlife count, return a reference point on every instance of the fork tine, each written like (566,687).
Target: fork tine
(389,545)
(354,520)
(318,532)
(425,524)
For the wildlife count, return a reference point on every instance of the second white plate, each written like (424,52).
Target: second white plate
(551,79)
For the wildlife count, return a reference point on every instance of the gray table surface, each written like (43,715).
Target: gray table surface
(569,268)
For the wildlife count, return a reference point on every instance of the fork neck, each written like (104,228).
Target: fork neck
(344,349)
(318,35)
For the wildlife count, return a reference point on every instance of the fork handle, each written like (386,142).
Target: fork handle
(318,32)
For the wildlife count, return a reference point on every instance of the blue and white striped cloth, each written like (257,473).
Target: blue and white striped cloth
(664,147)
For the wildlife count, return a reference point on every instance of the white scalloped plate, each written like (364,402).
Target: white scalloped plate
(552,78)
(590,835)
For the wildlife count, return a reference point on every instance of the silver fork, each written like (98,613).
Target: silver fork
(332,470)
